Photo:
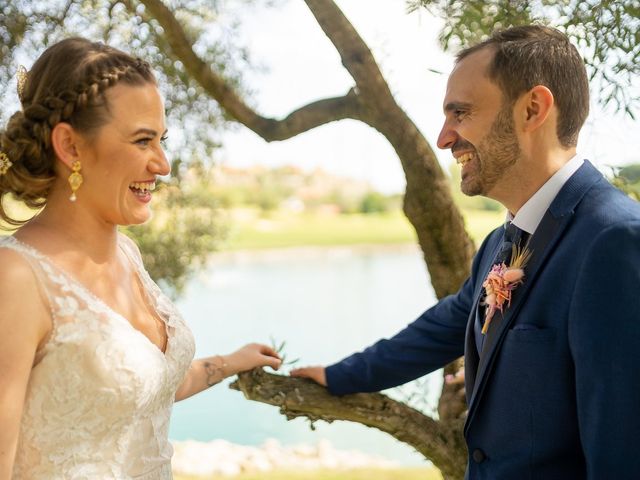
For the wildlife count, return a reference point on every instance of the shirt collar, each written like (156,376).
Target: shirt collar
(530,214)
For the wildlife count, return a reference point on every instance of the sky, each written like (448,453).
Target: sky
(299,65)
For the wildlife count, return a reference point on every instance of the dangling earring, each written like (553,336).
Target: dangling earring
(75,179)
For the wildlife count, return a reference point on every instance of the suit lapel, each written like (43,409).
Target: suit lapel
(471,349)
(542,243)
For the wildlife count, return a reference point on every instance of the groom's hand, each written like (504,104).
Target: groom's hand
(315,373)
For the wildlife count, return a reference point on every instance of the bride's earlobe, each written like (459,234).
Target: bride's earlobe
(64,140)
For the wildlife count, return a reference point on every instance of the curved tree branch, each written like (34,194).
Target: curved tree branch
(440,442)
(299,121)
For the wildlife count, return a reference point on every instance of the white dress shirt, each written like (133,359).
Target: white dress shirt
(530,214)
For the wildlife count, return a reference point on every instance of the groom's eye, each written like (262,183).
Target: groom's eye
(459,114)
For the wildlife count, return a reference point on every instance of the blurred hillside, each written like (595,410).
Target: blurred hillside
(293,189)
(287,206)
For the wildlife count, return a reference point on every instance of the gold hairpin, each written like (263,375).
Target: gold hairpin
(22,80)
(5,163)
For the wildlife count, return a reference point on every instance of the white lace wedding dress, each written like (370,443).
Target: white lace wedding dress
(100,392)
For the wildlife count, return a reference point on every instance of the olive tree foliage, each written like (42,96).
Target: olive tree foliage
(627,179)
(607,32)
(27,27)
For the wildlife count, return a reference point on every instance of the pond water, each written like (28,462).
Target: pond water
(325,304)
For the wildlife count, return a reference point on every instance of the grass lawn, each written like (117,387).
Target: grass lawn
(248,230)
(480,222)
(364,474)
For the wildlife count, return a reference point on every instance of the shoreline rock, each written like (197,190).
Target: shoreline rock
(220,457)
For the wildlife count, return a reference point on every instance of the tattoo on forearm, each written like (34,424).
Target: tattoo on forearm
(215,371)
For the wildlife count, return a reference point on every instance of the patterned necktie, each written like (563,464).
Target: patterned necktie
(512,236)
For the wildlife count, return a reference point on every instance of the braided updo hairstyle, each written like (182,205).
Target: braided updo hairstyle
(66,84)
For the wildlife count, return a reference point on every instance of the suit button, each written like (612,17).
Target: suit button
(478,456)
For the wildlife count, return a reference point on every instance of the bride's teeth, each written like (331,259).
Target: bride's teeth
(146,187)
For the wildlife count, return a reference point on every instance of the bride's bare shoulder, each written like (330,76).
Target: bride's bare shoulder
(20,294)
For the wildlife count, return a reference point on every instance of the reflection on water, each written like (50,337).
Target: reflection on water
(325,303)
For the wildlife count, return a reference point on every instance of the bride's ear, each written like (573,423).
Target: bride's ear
(65,142)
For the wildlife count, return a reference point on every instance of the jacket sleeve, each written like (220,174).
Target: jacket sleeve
(604,336)
(434,339)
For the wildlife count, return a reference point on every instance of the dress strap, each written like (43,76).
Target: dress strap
(61,293)
(43,282)
(33,260)
(48,274)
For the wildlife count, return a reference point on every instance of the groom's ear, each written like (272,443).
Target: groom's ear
(538,104)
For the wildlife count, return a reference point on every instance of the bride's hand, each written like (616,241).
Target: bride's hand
(251,356)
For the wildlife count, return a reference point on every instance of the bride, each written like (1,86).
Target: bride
(92,354)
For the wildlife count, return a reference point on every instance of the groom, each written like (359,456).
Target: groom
(553,373)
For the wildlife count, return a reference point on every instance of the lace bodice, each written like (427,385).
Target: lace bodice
(100,392)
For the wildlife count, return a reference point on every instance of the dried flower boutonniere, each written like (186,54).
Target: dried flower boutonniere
(501,281)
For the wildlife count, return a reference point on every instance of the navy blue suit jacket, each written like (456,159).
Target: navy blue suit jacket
(556,391)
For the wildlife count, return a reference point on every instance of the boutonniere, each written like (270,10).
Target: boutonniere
(501,281)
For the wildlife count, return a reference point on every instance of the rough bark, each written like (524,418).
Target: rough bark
(440,442)
(428,205)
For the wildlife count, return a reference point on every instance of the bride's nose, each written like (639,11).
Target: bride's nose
(159,165)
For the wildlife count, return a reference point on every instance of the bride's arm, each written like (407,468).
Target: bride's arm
(24,323)
(206,372)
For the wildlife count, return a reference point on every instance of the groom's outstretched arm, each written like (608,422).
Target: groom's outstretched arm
(430,342)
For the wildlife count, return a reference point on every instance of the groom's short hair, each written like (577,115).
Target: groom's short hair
(532,55)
